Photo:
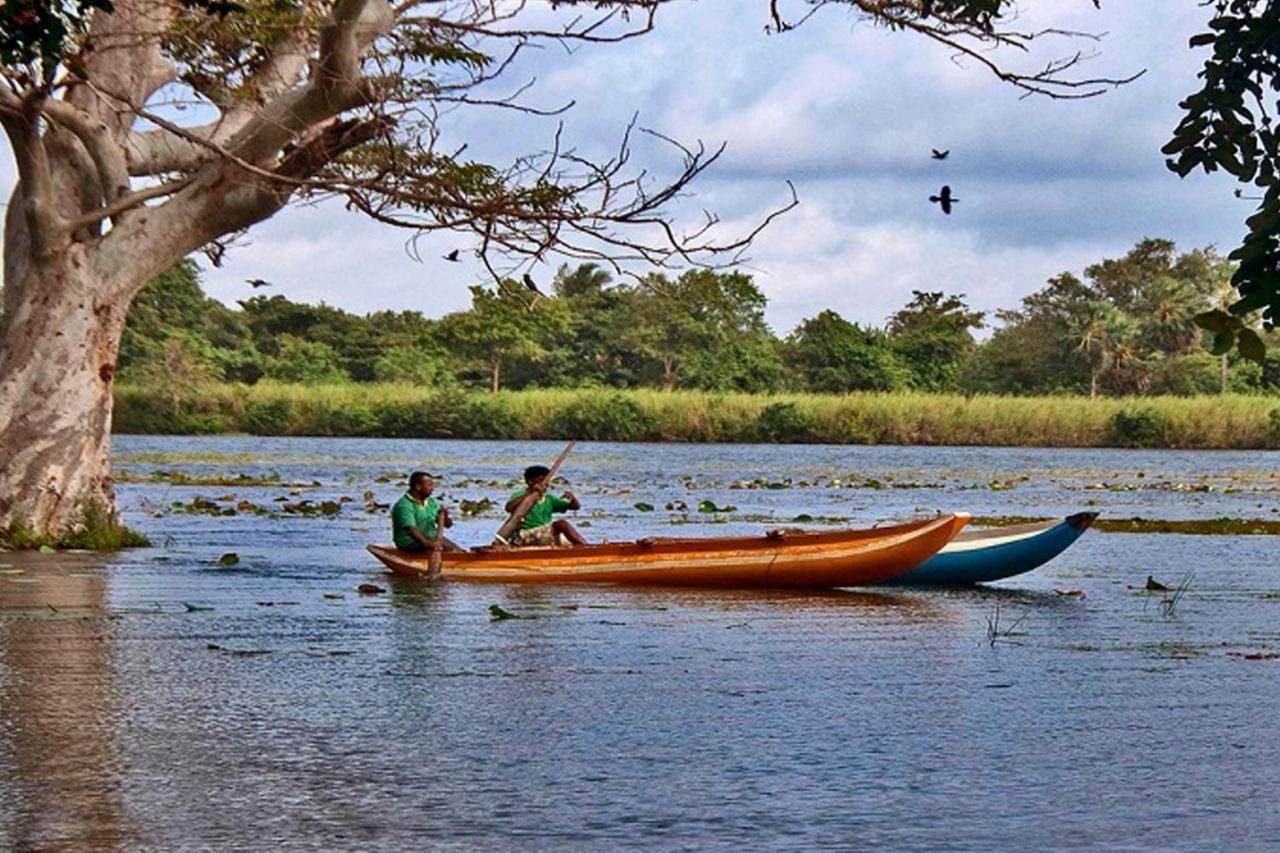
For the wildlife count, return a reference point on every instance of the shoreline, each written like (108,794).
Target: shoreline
(1231,422)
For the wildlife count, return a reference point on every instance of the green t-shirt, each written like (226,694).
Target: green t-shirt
(409,513)
(541,512)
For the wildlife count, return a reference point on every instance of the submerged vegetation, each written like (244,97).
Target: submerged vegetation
(93,529)
(1198,526)
(405,411)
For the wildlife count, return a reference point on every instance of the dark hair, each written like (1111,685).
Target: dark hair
(417,477)
(536,472)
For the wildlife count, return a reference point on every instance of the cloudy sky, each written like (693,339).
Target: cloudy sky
(848,113)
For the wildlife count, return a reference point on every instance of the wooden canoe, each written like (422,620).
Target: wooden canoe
(795,559)
(979,556)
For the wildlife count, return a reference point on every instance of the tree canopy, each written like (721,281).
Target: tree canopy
(1124,326)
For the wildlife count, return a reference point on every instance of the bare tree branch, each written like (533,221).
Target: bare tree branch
(21,120)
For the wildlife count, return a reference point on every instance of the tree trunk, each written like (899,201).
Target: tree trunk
(1093,383)
(668,374)
(57,365)
(1222,374)
(495,375)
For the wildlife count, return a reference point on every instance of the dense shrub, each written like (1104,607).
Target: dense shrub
(602,417)
(410,418)
(1141,428)
(267,417)
(489,417)
(780,423)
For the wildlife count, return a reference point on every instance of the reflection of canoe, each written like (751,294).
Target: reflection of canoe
(779,559)
(977,556)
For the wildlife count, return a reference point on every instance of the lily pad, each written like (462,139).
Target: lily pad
(497,614)
(230,558)
(45,549)
(710,506)
(643,507)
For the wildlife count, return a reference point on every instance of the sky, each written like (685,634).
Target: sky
(848,113)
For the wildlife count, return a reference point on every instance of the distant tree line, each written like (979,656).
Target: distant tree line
(1127,328)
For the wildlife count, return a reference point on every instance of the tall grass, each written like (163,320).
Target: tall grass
(270,408)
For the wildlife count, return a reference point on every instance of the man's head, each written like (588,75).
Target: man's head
(534,474)
(420,484)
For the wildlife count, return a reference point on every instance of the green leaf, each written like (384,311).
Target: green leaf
(644,507)
(1216,321)
(1223,342)
(229,559)
(497,614)
(1251,346)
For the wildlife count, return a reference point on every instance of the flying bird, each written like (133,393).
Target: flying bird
(452,256)
(529,283)
(945,199)
(940,155)
(255,283)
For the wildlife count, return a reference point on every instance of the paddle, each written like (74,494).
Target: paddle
(512,524)
(437,545)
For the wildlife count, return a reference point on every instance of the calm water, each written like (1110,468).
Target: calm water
(162,700)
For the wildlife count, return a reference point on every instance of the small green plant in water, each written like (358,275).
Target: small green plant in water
(1169,603)
(996,633)
(497,614)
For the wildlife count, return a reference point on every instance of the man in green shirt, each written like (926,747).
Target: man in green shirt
(415,515)
(538,528)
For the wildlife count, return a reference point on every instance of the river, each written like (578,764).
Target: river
(163,699)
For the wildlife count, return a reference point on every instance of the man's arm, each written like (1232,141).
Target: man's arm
(418,536)
(571,500)
(515,501)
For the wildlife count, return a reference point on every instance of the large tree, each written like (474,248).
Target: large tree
(933,336)
(149,129)
(830,355)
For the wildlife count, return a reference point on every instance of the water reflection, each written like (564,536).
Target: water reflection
(61,759)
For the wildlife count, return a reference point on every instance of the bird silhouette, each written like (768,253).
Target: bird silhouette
(255,283)
(940,155)
(529,283)
(452,256)
(945,199)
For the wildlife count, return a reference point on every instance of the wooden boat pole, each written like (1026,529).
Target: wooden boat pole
(437,545)
(512,524)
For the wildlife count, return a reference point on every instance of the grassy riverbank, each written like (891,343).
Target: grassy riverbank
(692,416)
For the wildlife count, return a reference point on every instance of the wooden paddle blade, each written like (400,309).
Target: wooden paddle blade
(436,559)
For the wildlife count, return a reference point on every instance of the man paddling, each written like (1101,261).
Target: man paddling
(413,518)
(538,528)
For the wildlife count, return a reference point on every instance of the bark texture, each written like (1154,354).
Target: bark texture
(80,243)
(57,364)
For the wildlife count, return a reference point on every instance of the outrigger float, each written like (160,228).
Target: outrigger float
(981,556)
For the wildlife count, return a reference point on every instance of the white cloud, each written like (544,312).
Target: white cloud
(849,112)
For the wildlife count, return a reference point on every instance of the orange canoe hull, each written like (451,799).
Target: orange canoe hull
(791,559)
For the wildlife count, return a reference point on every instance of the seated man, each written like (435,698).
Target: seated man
(537,528)
(413,518)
